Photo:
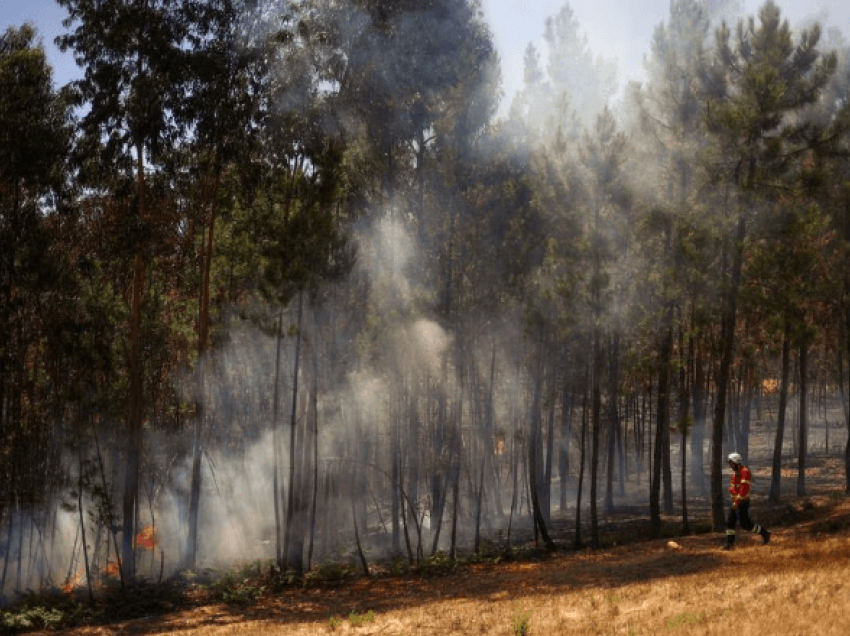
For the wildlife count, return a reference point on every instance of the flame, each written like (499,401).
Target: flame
(69,585)
(146,538)
(111,568)
(770,385)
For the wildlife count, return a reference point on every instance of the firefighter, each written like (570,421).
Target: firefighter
(740,511)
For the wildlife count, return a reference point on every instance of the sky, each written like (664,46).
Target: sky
(619,29)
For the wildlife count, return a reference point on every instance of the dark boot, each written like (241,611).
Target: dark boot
(730,540)
(764,532)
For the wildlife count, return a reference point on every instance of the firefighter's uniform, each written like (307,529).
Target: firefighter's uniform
(740,511)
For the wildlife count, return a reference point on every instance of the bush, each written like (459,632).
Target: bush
(521,623)
(361,619)
(28,618)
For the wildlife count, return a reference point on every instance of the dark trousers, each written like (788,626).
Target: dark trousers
(742,514)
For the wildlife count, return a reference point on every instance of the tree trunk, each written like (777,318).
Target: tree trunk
(294,538)
(596,412)
(803,446)
(776,470)
(535,454)
(439,476)
(395,476)
(6,556)
(82,528)
(698,392)
(613,419)
(546,490)
(684,422)
(455,502)
(718,515)
(564,445)
(535,457)
(847,410)
(135,416)
(203,336)
(582,447)
(276,450)
(662,425)
(110,519)
(478,504)
(314,412)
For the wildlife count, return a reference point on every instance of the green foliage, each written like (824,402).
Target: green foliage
(521,622)
(357,620)
(239,585)
(332,571)
(50,611)
(399,565)
(30,618)
(436,564)
(685,618)
(33,130)
(237,591)
(334,623)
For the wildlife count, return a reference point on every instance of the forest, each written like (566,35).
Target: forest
(281,282)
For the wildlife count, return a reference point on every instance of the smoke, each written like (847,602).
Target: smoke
(388,258)
(401,399)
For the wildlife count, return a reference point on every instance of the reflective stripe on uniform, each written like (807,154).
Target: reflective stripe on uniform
(730,532)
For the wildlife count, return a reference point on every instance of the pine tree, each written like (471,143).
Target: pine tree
(753,89)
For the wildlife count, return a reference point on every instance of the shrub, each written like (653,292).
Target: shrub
(362,619)
(520,623)
(28,618)
(686,618)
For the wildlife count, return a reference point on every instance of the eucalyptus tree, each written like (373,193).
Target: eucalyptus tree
(34,142)
(132,52)
(226,74)
(753,88)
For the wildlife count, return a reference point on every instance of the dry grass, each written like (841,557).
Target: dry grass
(798,584)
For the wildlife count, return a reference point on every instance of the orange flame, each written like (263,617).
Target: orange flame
(146,538)
(770,385)
(111,568)
(69,585)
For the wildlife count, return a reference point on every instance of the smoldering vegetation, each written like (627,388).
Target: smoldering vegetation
(341,312)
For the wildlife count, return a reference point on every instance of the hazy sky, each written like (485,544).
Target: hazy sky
(618,29)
